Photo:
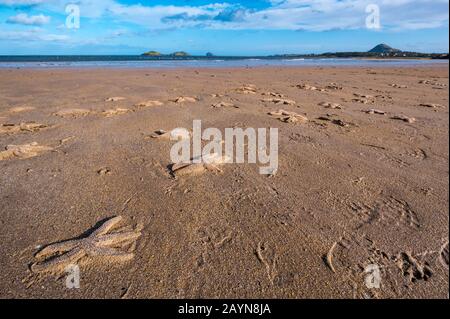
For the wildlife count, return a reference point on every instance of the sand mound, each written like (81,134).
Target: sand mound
(22,127)
(150,103)
(72,113)
(23,151)
(114,112)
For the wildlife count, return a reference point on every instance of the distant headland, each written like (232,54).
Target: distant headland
(381,51)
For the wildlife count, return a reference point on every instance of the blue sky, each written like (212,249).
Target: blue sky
(228,27)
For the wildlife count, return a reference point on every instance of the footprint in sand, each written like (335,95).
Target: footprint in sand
(375,111)
(289,117)
(184,99)
(210,163)
(22,127)
(72,113)
(247,89)
(330,105)
(115,99)
(149,103)
(24,151)
(404,118)
(21,109)
(114,112)
(279,101)
(224,104)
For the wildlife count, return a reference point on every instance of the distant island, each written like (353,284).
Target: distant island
(381,51)
(175,54)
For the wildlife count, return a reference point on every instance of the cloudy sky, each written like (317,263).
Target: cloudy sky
(231,27)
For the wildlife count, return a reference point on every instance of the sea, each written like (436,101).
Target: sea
(136,61)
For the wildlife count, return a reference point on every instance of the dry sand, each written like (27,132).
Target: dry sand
(355,186)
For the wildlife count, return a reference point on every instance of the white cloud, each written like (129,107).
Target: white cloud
(23,18)
(32,35)
(19,3)
(310,15)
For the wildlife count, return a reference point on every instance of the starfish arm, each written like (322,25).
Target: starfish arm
(117,238)
(59,262)
(107,226)
(58,247)
(110,252)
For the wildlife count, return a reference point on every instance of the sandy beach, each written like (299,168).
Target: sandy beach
(363,180)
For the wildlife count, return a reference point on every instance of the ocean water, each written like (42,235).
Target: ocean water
(42,62)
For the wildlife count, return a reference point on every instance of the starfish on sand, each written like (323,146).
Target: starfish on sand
(98,244)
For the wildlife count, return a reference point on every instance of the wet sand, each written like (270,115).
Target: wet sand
(362,180)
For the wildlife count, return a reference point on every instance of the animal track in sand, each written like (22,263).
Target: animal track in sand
(224,104)
(404,118)
(389,211)
(412,268)
(289,117)
(114,112)
(149,103)
(20,109)
(268,257)
(24,151)
(330,105)
(184,99)
(210,163)
(443,255)
(100,243)
(72,113)
(279,101)
(115,99)
(211,238)
(22,127)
